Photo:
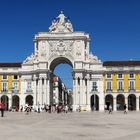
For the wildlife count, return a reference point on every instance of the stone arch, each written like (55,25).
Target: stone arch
(59,60)
(55,62)
(6,101)
(120,99)
(131,102)
(29,99)
(94,102)
(15,101)
(109,100)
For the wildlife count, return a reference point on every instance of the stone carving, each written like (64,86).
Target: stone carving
(30,59)
(93,58)
(61,48)
(61,24)
(43,51)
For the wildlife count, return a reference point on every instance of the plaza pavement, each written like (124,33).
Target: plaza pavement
(71,126)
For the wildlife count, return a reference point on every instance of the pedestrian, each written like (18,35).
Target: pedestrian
(66,109)
(2,107)
(125,108)
(110,109)
(105,108)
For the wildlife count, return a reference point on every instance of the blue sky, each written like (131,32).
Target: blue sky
(113,25)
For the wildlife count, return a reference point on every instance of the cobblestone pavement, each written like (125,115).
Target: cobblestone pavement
(71,126)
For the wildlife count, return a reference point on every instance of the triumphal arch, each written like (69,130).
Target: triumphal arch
(64,45)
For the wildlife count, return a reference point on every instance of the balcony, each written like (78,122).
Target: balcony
(108,90)
(120,90)
(94,90)
(4,91)
(15,91)
(29,91)
(132,90)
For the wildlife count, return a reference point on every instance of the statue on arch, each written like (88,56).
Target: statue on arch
(61,18)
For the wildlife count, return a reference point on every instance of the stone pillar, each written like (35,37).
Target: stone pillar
(63,94)
(137,103)
(74,93)
(39,90)
(48,91)
(34,91)
(88,94)
(126,101)
(10,101)
(81,91)
(84,93)
(45,91)
(114,104)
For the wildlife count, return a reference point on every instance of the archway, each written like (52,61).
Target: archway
(29,100)
(6,101)
(131,102)
(109,100)
(60,82)
(15,102)
(94,102)
(120,102)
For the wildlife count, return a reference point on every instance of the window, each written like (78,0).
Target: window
(29,85)
(120,85)
(4,76)
(119,75)
(108,75)
(4,86)
(15,77)
(15,85)
(94,86)
(109,85)
(131,85)
(131,75)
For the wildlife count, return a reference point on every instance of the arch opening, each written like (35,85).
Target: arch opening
(94,102)
(120,102)
(29,100)
(5,99)
(15,102)
(109,101)
(131,102)
(61,81)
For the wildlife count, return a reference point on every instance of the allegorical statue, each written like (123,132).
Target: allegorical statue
(61,18)
(61,24)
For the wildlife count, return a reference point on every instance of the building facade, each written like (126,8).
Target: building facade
(94,83)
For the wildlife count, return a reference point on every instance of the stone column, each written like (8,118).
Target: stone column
(45,91)
(74,91)
(88,94)
(81,91)
(114,104)
(34,91)
(48,91)
(137,103)
(39,90)
(126,101)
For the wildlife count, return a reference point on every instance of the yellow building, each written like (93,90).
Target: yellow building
(10,84)
(122,84)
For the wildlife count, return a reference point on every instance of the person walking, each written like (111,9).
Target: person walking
(125,108)
(2,107)
(110,109)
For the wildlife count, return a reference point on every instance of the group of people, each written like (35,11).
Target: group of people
(110,109)
(46,108)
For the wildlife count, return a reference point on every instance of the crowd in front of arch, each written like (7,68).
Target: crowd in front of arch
(43,108)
